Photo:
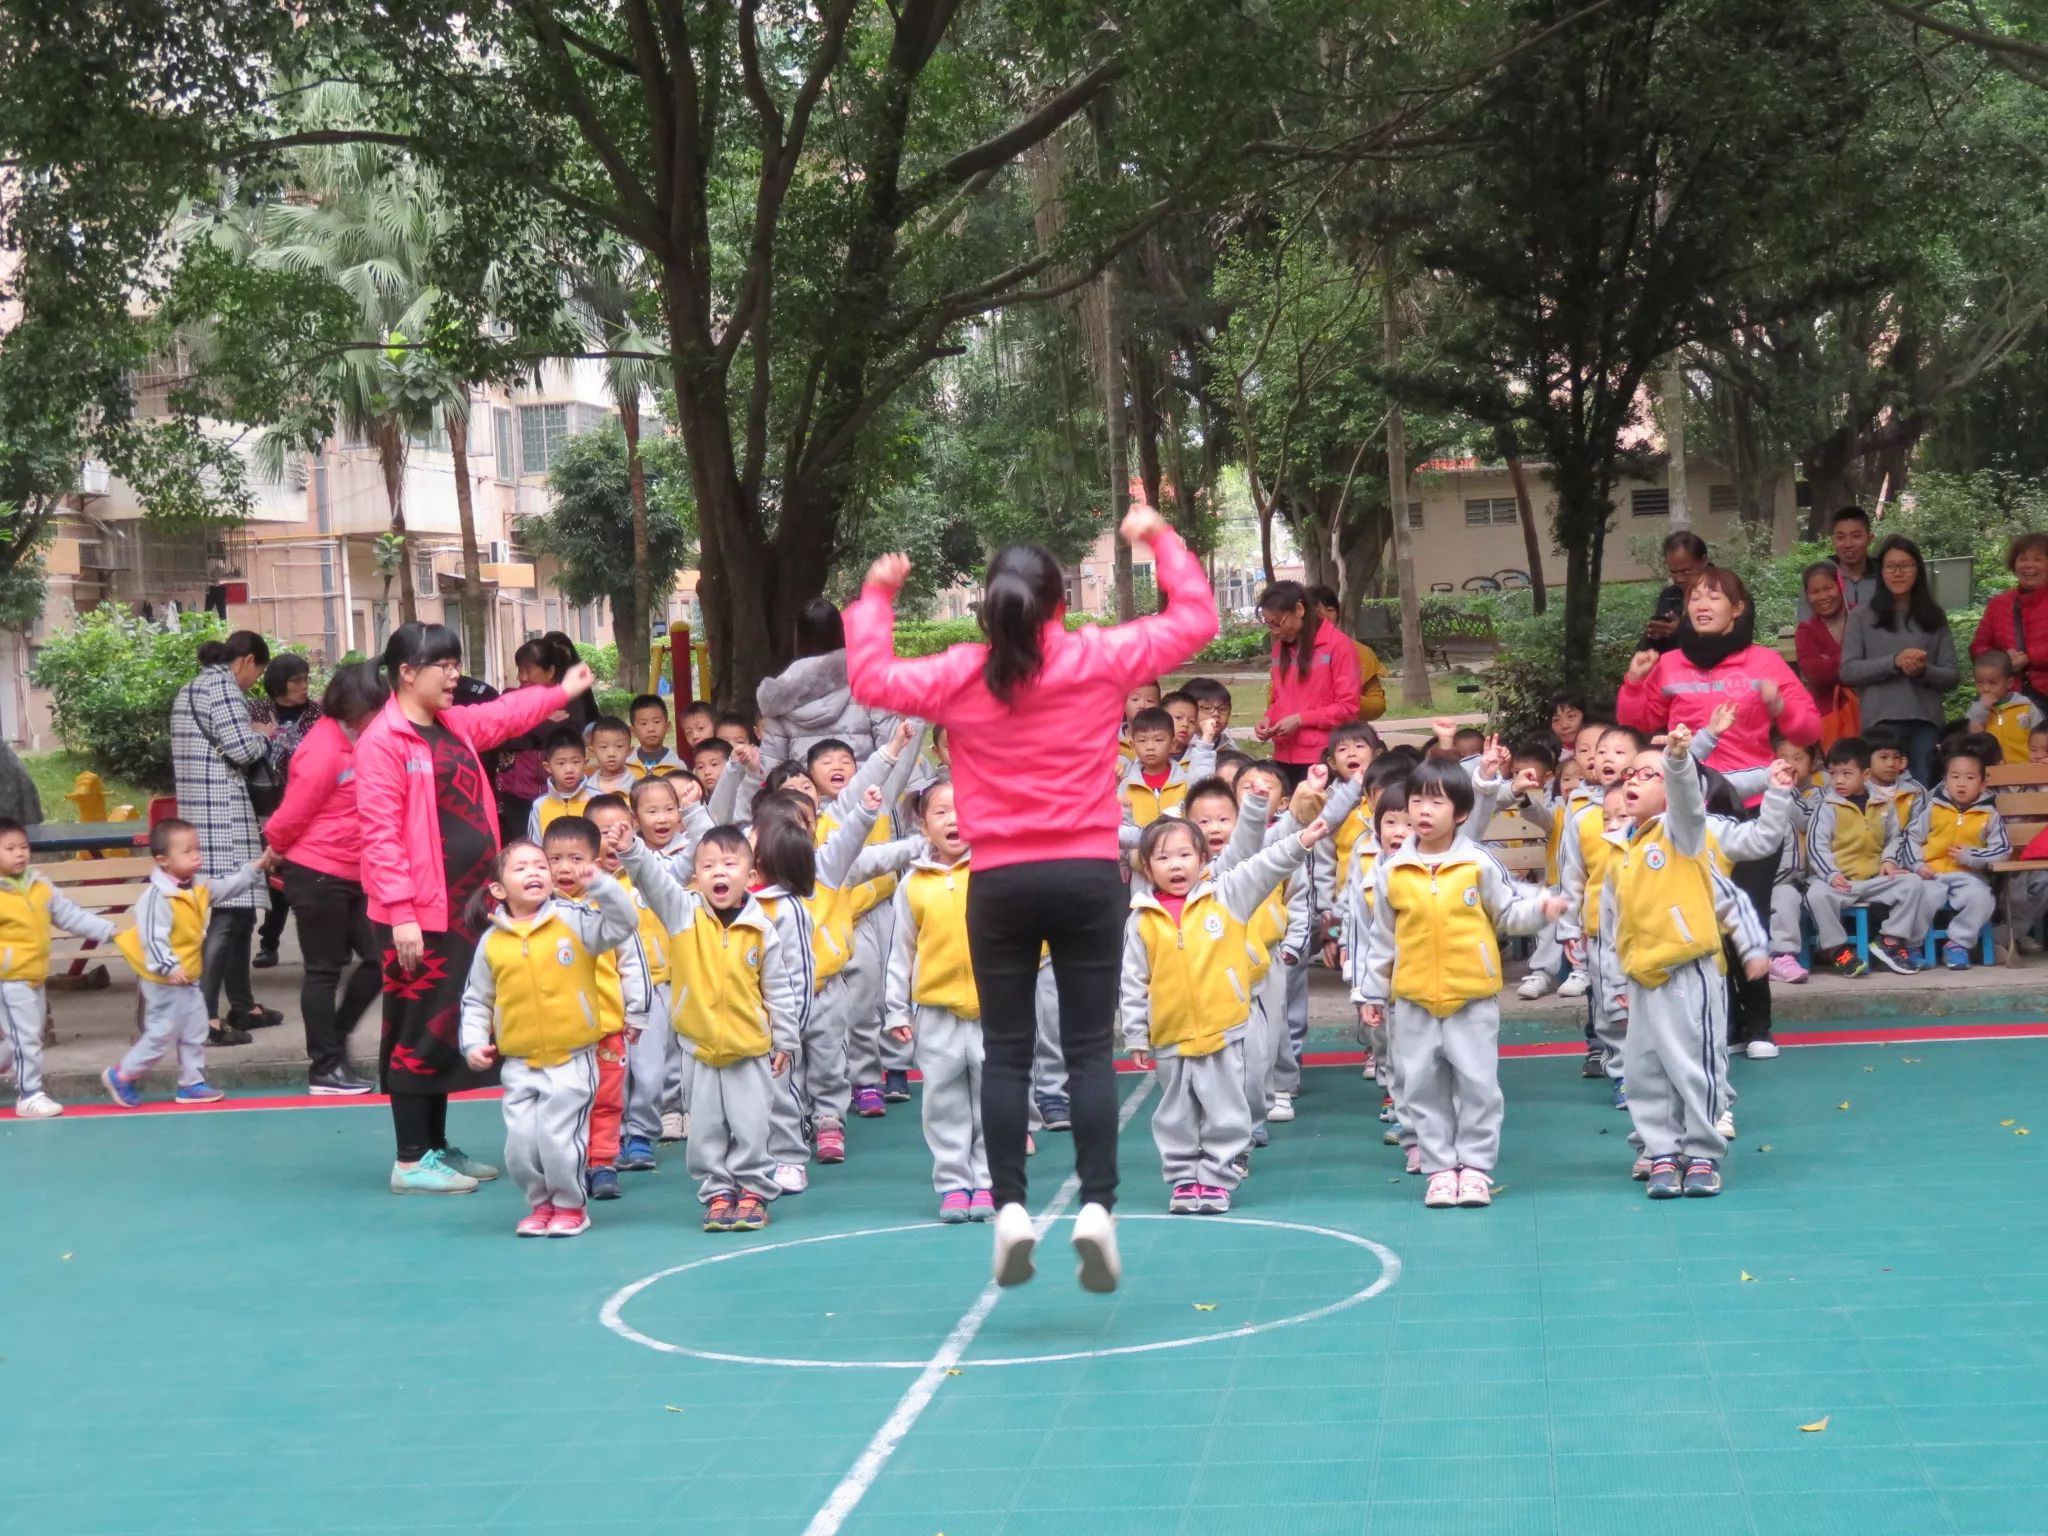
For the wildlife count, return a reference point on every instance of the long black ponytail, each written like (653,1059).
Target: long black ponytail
(1025,590)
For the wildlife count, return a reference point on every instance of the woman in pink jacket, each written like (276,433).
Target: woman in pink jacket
(1315,683)
(429,826)
(1031,728)
(316,833)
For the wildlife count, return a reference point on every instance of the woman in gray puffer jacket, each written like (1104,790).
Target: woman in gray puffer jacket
(809,702)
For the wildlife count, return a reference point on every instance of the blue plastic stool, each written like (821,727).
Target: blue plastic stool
(1987,951)
(1855,922)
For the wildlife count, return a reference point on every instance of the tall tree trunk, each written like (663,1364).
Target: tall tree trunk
(1414,663)
(391,460)
(636,627)
(1674,443)
(1525,509)
(1110,367)
(1828,464)
(475,621)
(1583,511)
(1184,514)
(1145,415)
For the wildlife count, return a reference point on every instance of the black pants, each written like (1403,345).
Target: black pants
(1293,775)
(273,920)
(421,1120)
(334,924)
(1749,1002)
(225,960)
(1078,907)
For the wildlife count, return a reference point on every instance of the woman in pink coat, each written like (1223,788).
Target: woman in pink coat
(1315,683)
(1031,732)
(429,832)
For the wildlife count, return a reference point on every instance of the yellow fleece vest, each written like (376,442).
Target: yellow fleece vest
(1353,830)
(1553,845)
(550,810)
(944,975)
(1589,825)
(1858,848)
(1666,903)
(831,930)
(25,930)
(856,903)
(549,990)
(189,910)
(1949,828)
(2007,725)
(1267,928)
(1446,953)
(719,1009)
(653,937)
(1148,804)
(1201,985)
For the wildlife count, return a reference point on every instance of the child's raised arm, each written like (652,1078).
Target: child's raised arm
(874,860)
(1244,889)
(671,901)
(1246,838)
(1685,810)
(836,859)
(743,768)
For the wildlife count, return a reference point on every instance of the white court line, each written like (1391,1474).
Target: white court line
(854,1487)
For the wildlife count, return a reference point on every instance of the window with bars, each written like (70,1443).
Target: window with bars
(1482,512)
(501,435)
(542,431)
(1721,498)
(423,574)
(1650,501)
(1414,514)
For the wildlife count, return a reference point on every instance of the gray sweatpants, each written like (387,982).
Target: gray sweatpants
(173,1018)
(1048,1062)
(1677,1056)
(1294,1036)
(730,1110)
(948,1052)
(869,1050)
(1448,1083)
(21,1025)
(827,1087)
(1610,1024)
(1202,1121)
(1546,954)
(1970,895)
(1906,895)
(547,1127)
(649,1066)
(1787,905)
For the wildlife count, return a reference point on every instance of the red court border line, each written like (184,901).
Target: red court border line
(1925,1034)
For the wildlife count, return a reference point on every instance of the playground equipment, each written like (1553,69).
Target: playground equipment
(685,662)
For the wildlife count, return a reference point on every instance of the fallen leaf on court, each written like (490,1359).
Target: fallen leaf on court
(2020,1131)
(1911,1061)
(1843,1105)
(2002,1122)
(1870,1069)
(1816,1426)
(1205,1306)
(1767,1147)
(672,1408)
(67,1257)
(1748,1276)
(952,1372)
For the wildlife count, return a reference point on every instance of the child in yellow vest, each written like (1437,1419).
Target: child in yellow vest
(1536,801)
(668,812)
(737,1006)
(1156,783)
(1853,852)
(1187,997)
(538,1003)
(611,752)
(1889,779)
(1285,989)
(29,908)
(652,758)
(563,756)
(1666,907)
(1391,831)
(1955,837)
(1788,890)
(2001,711)
(1433,954)
(1581,861)
(167,946)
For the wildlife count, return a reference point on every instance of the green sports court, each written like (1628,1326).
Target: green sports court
(219,1322)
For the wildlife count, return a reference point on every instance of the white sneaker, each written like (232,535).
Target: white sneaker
(1095,1243)
(1283,1108)
(675,1126)
(1725,1126)
(1533,986)
(792,1178)
(38,1106)
(1761,1050)
(1474,1187)
(1442,1192)
(1574,985)
(1016,1240)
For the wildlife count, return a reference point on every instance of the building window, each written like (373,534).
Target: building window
(1486,512)
(1721,498)
(501,428)
(1414,514)
(542,431)
(423,574)
(1651,501)
(1076,601)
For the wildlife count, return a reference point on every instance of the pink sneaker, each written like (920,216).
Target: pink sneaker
(1415,1159)
(569,1221)
(956,1206)
(1214,1201)
(983,1206)
(536,1223)
(1030,1145)
(1786,968)
(1474,1187)
(831,1144)
(1442,1193)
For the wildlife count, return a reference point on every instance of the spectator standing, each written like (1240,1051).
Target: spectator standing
(1372,672)
(2016,621)
(1899,656)
(1314,683)
(809,701)
(1685,559)
(1818,643)
(1855,571)
(291,713)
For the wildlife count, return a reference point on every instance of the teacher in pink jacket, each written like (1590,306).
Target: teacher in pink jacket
(1315,682)
(1031,723)
(429,826)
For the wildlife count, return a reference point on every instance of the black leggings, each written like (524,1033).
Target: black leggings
(225,959)
(334,926)
(421,1120)
(1078,907)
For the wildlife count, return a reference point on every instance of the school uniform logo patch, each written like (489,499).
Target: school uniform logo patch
(564,955)
(754,959)
(1472,896)
(1212,925)
(1654,858)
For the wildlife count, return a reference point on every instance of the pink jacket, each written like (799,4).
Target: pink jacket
(1036,778)
(1325,699)
(399,822)
(316,824)
(1678,693)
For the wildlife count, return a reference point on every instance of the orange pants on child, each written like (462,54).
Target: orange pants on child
(608,1110)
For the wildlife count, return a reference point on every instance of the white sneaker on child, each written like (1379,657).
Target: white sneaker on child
(38,1106)
(1725,1126)
(1283,1108)
(1442,1192)
(1574,985)
(1761,1050)
(1533,986)
(792,1178)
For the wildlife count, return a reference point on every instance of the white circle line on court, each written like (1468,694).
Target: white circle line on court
(614,1307)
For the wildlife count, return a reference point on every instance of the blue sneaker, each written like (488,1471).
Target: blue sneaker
(199,1093)
(603,1184)
(1665,1181)
(1261,1137)
(1620,1093)
(120,1090)
(896,1087)
(637,1156)
(1055,1112)
(1702,1177)
(1955,956)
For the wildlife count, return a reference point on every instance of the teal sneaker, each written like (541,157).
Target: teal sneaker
(464,1164)
(431,1175)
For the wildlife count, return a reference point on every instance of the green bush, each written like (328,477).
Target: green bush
(930,636)
(1237,643)
(112,681)
(1530,667)
(613,701)
(603,659)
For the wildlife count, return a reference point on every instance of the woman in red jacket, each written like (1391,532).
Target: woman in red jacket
(1819,648)
(2017,621)
(315,832)
(429,826)
(1031,732)
(1315,684)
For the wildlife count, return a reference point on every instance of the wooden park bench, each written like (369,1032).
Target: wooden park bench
(2020,791)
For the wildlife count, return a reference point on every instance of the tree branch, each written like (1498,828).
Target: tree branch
(994,153)
(577,103)
(1990,42)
